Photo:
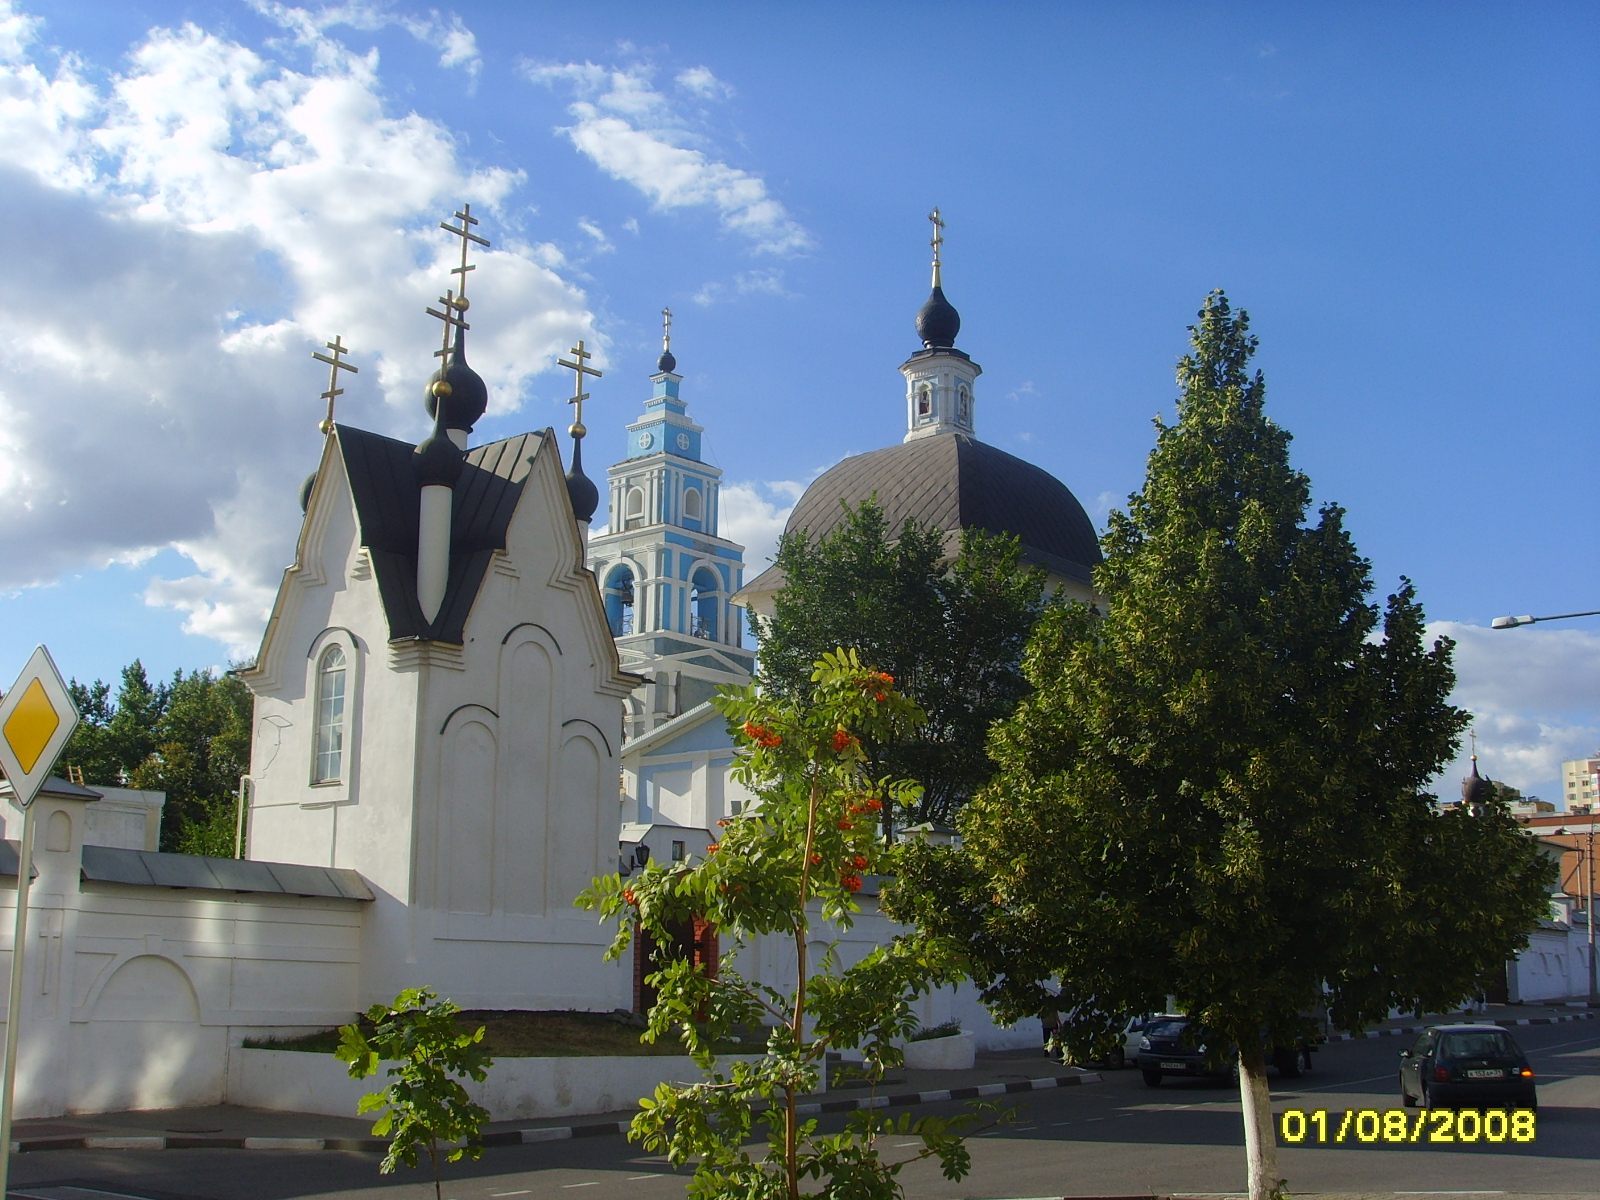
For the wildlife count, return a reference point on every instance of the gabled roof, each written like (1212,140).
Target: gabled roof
(383,485)
(659,740)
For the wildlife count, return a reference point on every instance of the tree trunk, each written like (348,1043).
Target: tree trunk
(1260,1138)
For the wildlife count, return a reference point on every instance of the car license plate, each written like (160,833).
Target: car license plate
(1173,1066)
(1482,1074)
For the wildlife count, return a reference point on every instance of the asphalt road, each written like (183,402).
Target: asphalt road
(1116,1138)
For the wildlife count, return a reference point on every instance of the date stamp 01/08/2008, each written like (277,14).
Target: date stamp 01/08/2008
(1396,1126)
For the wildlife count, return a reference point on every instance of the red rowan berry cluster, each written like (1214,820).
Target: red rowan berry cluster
(761,735)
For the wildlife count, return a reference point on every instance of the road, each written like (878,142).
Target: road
(1116,1138)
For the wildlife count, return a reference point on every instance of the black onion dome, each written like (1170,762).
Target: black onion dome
(666,363)
(938,322)
(953,482)
(581,490)
(468,398)
(305,491)
(438,460)
(1476,791)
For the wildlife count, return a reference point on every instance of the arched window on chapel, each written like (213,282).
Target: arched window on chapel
(331,676)
(924,402)
(635,510)
(693,504)
(964,408)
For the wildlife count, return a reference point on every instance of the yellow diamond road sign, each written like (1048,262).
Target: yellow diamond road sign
(37,717)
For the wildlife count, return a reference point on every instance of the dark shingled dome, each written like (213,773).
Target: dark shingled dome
(953,482)
(938,322)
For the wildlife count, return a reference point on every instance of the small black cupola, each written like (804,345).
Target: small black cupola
(581,490)
(464,397)
(938,322)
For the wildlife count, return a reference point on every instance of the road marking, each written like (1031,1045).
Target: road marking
(1352,1083)
(1057,1124)
(1097,1118)
(523,1192)
(591,1183)
(903,1145)
(1541,1050)
(636,1178)
(1449,1193)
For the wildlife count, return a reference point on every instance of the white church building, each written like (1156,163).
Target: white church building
(464,711)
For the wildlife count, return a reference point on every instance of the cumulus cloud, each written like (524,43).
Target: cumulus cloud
(455,42)
(189,231)
(1533,699)
(753,514)
(631,131)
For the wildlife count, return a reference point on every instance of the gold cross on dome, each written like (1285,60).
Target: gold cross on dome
(938,240)
(467,237)
(451,316)
(666,329)
(335,365)
(579,368)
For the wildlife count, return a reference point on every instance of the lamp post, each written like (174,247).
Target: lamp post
(1588,851)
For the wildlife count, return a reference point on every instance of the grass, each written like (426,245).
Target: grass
(518,1034)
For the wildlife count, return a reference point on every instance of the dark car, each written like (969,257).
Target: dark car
(1466,1066)
(1180,1046)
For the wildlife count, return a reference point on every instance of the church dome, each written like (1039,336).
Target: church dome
(953,482)
(938,322)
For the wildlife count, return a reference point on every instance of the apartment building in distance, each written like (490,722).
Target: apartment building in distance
(1578,784)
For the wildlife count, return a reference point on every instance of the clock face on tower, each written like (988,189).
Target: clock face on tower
(683,441)
(646,440)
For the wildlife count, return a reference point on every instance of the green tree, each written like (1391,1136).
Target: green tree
(1216,792)
(426,1107)
(951,633)
(202,747)
(801,855)
(115,738)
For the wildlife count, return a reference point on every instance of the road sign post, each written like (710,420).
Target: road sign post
(37,718)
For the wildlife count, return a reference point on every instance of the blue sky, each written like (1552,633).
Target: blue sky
(1403,196)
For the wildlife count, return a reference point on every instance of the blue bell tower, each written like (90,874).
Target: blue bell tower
(666,576)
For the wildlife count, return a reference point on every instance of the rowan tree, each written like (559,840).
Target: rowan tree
(1217,791)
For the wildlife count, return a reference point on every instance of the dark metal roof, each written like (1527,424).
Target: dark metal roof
(953,482)
(146,868)
(384,485)
(61,789)
(10,856)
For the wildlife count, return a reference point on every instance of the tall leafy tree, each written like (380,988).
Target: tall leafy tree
(202,747)
(1216,792)
(951,634)
(189,738)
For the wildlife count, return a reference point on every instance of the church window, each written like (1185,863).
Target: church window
(704,601)
(619,602)
(964,408)
(635,509)
(924,401)
(693,505)
(331,675)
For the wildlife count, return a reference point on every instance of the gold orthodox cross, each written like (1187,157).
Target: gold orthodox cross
(335,365)
(579,368)
(467,237)
(451,317)
(938,240)
(666,329)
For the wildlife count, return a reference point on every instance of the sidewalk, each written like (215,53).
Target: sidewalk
(228,1127)
(1543,1012)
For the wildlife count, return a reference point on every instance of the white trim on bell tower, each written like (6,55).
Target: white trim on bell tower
(941,392)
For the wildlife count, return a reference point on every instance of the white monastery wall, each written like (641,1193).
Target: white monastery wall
(135,996)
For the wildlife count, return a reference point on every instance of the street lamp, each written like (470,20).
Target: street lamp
(1513,622)
(1588,851)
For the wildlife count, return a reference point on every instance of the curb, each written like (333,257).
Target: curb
(519,1137)
(1378,1033)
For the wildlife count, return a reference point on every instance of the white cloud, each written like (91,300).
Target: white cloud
(203,221)
(630,131)
(753,514)
(602,243)
(455,42)
(1533,698)
(745,283)
(699,81)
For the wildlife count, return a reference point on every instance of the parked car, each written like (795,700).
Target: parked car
(1170,1045)
(1466,1066)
